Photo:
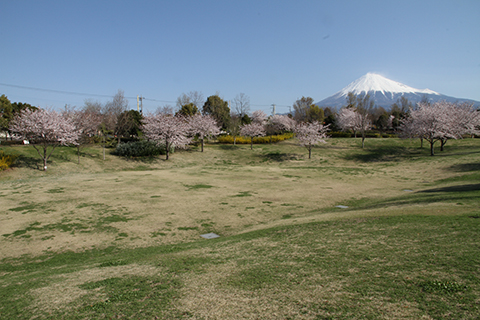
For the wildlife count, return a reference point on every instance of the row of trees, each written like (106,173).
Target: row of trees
(304,110)
(47,128)
(440,121)
(431,122)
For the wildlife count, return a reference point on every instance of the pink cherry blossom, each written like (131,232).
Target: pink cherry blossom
(280,123)
(309,134)
(252,130)
(203,126)
(172,131)
(440,121)
(45,128)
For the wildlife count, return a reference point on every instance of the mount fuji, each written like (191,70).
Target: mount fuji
(385,92)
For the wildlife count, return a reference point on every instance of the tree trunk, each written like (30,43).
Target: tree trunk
(167,150)
(202,145)
(251,143)
(45,158)
(431,148)
(310,153)
(363,140)
(442,143)
(103,147)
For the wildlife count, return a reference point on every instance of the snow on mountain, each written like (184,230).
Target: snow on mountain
(385,92)
(376,82)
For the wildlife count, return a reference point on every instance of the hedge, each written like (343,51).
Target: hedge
(257,140)
(141,148)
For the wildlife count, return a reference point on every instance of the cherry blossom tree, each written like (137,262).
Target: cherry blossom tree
(279,123)
(44,129)
(440,121)
(86,122)
(467,118)
(356,119)
(252,130)
(310,134)
(203,126)
(259,116)
(172,131)
(348,120)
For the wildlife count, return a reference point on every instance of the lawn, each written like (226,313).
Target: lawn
(120,238)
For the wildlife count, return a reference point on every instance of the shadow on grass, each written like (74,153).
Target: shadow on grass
(228,146)
(278,156)
(28,162)
(461,188)
(385,153)
(460,194)
(146,160)
(466,167)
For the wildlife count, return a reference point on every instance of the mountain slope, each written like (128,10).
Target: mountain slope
(385,92)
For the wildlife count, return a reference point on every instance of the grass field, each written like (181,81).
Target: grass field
(120,239)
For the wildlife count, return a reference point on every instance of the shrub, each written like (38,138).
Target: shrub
(6,160)
(141,148)
(370,134)
(256,140)
(340,134)
(11,142)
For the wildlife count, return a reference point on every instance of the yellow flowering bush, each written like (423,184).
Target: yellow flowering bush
(6,160)
(257,140)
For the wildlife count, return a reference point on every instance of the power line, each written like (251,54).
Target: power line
(105,95)
(76,93)
(59,91)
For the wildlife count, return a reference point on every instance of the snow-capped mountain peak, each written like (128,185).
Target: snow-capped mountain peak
(385,92)
(376,82)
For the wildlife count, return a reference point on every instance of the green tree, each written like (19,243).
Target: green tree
(8,110)
(218,109)
(399,111)
(301,108)
(331,119)
(315,114)
(188,110)
(6,113)
(351,100)
(246,119)
(129,123)
(383,122)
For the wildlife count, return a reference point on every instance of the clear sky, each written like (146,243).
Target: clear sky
(273,51)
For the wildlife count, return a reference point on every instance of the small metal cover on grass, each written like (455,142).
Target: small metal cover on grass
(408,190)
(210,235)
(341,207)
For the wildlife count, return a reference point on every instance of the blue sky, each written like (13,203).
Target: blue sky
(273,51)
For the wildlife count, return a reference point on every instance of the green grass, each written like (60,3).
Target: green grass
(414,265)
(110,247)
(198,186)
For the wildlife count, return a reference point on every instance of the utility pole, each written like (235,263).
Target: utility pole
(140,104)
